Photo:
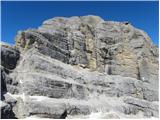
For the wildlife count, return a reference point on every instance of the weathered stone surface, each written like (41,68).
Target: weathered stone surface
(111,47)
(5,110)
(81,65)
(6,107)
(3,83)
(9,59)
(39,109)
(148,108)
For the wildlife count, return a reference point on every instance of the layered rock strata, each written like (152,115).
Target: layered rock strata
(74,67)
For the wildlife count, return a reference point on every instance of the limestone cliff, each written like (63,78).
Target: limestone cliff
(77,66)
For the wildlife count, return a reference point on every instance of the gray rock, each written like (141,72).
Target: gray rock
(73,63)
(106,44)
(150,109)
(6,110)
(3,83)
(9,60)
(9,57)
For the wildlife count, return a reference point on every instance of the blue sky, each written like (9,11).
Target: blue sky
(22,15)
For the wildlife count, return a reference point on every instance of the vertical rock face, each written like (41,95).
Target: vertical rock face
(9,58)
(111,47)
(77,65)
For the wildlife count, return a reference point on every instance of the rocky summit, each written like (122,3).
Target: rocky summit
(80,67)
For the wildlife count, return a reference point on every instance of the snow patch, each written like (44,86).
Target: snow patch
(20,81)
(38,98)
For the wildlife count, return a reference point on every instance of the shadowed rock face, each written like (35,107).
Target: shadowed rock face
(79,65)
(9,58)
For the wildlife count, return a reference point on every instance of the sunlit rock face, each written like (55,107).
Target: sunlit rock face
(82,67)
